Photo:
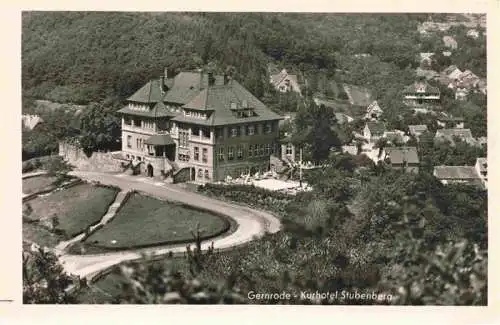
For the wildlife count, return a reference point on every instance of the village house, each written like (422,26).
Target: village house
(417,130)
(405,158)
(373,111)
(420,94)
(451,134)
(374,131)
(208,126)
(285,82)
(449,122)
(450,42)
(482,170)
(426,60)
(457,174)
(30,122)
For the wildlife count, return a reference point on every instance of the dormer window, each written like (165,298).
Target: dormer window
(244,103)
(233,105)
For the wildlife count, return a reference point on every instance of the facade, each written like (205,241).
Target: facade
(373,111)
(404,158)
(421,94)
(482,170)
(207,124)
(285,82)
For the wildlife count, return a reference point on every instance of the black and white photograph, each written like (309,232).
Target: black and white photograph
(254,158)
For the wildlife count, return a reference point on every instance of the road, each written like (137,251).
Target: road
(251,223)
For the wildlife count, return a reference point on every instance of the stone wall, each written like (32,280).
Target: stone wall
(98,161)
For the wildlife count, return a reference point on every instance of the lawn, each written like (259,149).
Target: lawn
(37,183)
(76,207)
(33,232)
(145,221)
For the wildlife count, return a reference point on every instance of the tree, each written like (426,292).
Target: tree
(44,279)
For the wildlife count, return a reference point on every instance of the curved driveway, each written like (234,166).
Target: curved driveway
(251,223)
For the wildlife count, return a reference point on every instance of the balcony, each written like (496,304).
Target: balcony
(137,129)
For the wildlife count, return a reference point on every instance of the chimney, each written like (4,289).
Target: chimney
(211,78)
(162,84)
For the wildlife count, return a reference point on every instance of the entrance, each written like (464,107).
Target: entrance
(150,170)
(193,174)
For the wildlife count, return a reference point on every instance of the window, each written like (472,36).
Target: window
(204,156)
(268,149)
(200,173)
(256,150)
(219,133)
(196,153)
(188,113)
(268,128)
(250,150)
(205,132)
(221,154)
(183,157)
(239,152)
(127,121)
(129,141)
(207,174)
(234,132)
(183,138)
(261,150)
(195,130)
(244,103)
(289,149)
(137,122)
(230,153)
(250,130)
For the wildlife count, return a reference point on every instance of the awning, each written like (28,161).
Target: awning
(160,140)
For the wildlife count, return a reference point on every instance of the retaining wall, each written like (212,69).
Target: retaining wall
(98,161)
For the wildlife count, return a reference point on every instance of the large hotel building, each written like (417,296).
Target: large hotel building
(205,125)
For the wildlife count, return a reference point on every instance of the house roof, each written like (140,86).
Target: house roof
(149,93)
(455,172)
(218,99)
(373,107)
(343,118)
(462,133)
(187,85)
(357,95)
(446,118)
(376,128)
(418,128)
(160,140)
(421,87)
(401,155)
(449,41)
(426,55)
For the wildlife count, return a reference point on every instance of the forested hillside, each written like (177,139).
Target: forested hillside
(91,56)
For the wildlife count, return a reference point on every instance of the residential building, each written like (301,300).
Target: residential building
(450,42)
(421,93)
(426,60)
(417,130)
(31,121)
(374,131)
(457,174)
(373,111)
(461,93)
(285,82)
(451,122)
(207,125)
(451,134)
(405,158)
(482,170)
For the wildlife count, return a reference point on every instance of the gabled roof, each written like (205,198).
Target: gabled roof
(423,87)
(373,107)
(461,133)
(149,93)
(187,85)
(218,99)
(483,164)
(418,128)
(455,172)
(376,128)
(31,121)
(401,155)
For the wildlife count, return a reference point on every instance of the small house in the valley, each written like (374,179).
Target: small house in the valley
(421,93)
(405,158)
(452,122)
(30,122)
(482,169)
(374,131)
(450,42)
(457,174)
(417,130)
(373,111)
(452,134)
(285,82)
